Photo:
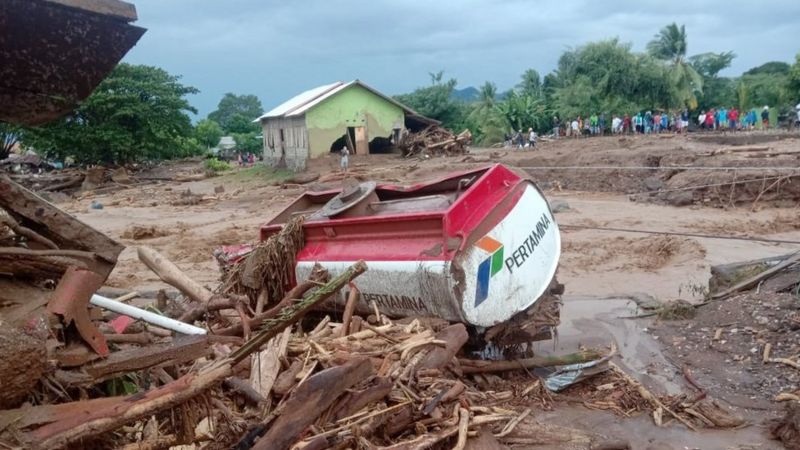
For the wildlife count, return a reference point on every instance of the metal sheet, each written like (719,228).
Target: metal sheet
(398,288)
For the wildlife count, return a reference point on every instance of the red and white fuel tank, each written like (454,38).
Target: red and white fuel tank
(476,247)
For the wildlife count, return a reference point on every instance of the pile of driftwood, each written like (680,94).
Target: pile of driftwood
(94,180)
(435,141)
(254,364)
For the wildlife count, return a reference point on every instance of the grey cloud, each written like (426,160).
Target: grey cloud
(275,49)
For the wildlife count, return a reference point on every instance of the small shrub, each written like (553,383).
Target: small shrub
(214,166)
(676,310)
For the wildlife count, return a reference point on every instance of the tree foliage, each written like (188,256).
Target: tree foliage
(716,90)
(670,45)
(710,64)
(247,143)
(208,133)
(235,113)
(606,76)
(793,80)
(138,112)
(435,101)
(531,84)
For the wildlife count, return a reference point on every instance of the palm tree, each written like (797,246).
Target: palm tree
(489,124)
(670,45)
(531,84)
(488,95)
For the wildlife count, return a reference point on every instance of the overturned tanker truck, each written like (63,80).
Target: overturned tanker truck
(479,247)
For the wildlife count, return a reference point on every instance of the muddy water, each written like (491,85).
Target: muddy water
(684,274)
(596,322)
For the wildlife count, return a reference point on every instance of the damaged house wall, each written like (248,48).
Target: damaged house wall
(352,107)
(285,142)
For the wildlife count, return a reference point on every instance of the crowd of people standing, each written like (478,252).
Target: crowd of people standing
(648,122)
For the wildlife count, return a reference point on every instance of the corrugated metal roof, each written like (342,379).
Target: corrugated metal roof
(303,108)
(226,142)
(299,104)
(298,100)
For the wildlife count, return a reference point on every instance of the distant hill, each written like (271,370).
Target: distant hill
(468,94)
(472,94)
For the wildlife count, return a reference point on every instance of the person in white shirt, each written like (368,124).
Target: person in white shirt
(616,125)
(344,162)
(701,119)
(575,129)
(531,138)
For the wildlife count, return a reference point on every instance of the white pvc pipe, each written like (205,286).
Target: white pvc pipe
(146,316)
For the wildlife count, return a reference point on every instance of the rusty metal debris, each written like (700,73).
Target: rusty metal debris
(71,301)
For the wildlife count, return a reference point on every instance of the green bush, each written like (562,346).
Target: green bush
(214,166)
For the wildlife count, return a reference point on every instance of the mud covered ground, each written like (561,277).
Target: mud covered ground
(609,276)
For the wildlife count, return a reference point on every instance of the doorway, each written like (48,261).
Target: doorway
(359,140)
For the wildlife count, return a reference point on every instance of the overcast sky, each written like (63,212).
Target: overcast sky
(276,49)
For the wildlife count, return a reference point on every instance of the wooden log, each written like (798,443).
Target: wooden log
(355,401)
(349,308)
(245,388)
(310,400)
(172,275)
(287,379)
(400,421)
(83,423)
(455,336)
(24,361)
(303,178)
(483,366)
(182,350)
(64,185)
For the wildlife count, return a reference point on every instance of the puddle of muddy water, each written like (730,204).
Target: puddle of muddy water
(599,322)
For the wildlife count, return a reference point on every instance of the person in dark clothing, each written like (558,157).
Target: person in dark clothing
(601,124)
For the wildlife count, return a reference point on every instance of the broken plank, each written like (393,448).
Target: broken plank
(51,222)
(29,416)
(310,400)
(181,350)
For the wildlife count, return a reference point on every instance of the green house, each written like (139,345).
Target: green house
(323,120)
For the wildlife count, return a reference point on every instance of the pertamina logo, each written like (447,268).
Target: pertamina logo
(489,267)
